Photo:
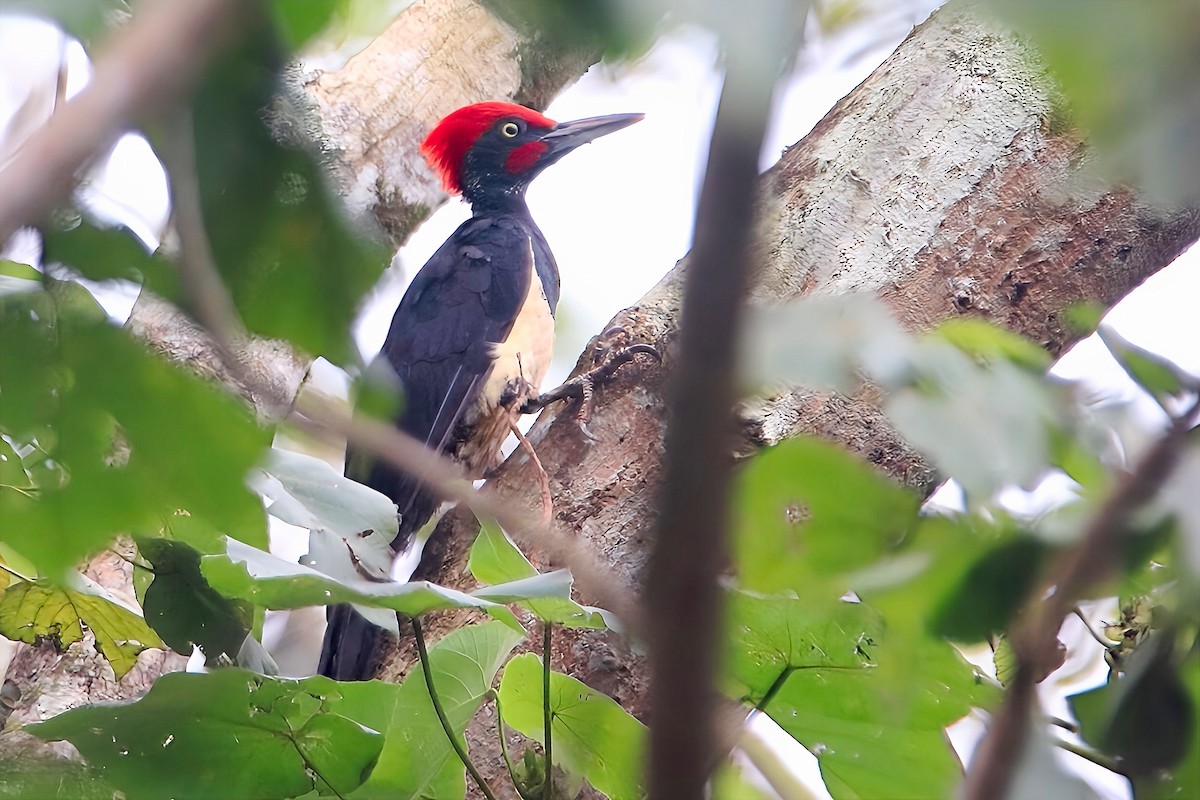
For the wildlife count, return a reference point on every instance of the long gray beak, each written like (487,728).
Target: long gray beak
(569,135)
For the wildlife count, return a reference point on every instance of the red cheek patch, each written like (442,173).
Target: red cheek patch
(524,157)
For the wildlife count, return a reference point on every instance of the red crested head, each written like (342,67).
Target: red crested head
(446,146)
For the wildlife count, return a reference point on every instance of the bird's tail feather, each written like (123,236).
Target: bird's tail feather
(350,651)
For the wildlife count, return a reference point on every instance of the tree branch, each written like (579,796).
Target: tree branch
(1034,639)
(682,596)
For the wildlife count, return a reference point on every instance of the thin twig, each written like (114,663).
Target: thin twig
(1059,722)
(423,655)
(547,711)
(1034,640)
(1107,645)
(1099,759)
(512,770)
(198,273)
(543,478)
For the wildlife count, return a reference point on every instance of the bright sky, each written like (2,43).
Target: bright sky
(618,213)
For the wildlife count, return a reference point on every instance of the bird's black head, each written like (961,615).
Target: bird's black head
(490,152)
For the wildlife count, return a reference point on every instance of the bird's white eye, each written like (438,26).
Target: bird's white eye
(510,130)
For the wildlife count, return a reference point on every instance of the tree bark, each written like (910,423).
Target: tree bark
(949,183)
(372,114)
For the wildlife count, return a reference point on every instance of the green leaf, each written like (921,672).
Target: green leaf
(830,675)
(856,332)
(294,265)
(1004,659)
(53,778)
(106,253)
(593,736)
(184,609)
(495,559)
(18,278)
(251,574)
(808,512)
(300,20)
(38,611)
(1147,717)
(417,760)
(307,492)
(991,591)
(1162,378)
(987,343)
(957,411)
(181,739)
(131,438)
(14,567)
(770,637)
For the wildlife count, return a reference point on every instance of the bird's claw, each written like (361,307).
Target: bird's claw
(607,361)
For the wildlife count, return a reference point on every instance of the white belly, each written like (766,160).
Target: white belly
(524,356)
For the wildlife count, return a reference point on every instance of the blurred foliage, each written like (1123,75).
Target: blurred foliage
(86,20)
(295,266)
(843,593)
(1129,74)
(112,438)
(299,20)
(596,27)
(860,584)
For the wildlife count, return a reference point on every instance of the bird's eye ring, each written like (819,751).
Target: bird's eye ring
(510,130)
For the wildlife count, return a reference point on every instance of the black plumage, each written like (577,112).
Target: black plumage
(471,340)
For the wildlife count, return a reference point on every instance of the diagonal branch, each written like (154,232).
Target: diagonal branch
(1091,560)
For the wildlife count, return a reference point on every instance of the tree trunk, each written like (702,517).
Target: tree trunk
(949,183)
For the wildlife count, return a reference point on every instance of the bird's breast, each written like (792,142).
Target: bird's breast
(520,362)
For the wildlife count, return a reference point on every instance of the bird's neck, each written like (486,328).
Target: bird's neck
(490,203)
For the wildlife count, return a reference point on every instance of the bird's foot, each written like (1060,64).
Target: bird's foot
(608,355)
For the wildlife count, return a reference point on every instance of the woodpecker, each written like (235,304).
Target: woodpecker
(472,337)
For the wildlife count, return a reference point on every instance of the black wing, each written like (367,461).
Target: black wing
(465,298)
(440,342)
